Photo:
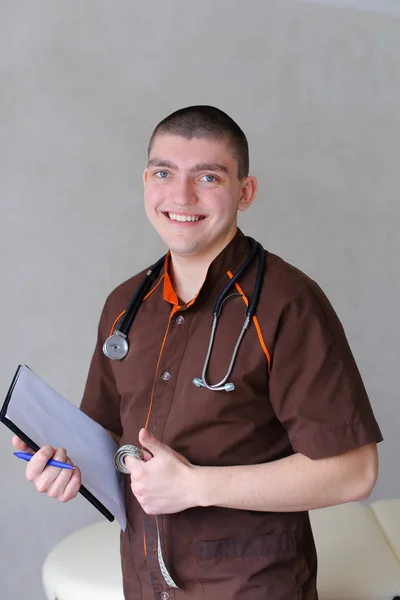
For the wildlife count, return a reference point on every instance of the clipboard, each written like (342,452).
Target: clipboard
(18,429)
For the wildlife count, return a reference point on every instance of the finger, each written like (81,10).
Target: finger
(53,480)
(20,445)
(150,442)
(38,462)
(60,454)
(147,455)
(56,488)
(134,465)
(72,488)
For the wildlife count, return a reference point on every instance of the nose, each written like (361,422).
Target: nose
(183,192)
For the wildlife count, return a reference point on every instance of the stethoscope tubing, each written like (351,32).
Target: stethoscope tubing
(238,274)
(116,346)
(259,281)
(134,305)
(220,385)
(251,309)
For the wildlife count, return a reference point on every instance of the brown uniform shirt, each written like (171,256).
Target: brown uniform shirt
(297,389)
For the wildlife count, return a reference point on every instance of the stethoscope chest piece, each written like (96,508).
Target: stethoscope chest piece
(122,453)
(116,346)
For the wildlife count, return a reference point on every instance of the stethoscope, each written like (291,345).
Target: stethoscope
(116,345)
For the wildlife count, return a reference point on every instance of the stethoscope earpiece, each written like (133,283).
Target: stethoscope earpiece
(227,387)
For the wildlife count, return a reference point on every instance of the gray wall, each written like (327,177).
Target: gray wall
(82,83)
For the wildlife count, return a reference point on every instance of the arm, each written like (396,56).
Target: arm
(316,392)
(294,483)
(167,483)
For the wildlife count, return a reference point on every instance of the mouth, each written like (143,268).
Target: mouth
(183,218)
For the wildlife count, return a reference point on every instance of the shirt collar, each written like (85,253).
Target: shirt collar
(229,259)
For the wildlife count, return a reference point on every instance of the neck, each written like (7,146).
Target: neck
(189,272)
(187,276)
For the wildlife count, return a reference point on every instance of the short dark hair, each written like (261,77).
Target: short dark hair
(207,122)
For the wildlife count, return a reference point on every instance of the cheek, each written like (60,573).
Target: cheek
(153,197)
(221,203)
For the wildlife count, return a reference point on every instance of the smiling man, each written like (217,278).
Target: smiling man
(228,476)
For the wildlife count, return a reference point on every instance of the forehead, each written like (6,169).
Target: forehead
(187,152)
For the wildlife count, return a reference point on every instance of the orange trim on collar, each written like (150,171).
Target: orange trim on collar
(169,292)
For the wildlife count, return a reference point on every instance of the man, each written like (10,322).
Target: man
(230,474)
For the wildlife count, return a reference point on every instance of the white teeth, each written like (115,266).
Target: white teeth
(183,218)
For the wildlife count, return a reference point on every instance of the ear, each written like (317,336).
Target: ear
(249,191)
(145,176)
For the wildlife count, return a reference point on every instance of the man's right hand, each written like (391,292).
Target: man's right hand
(62,484)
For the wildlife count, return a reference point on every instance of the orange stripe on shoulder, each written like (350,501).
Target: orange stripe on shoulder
(116,321)
(256,324)
(145,298)
(154,288)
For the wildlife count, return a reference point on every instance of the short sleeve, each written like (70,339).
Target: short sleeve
(316,389)
(101,400)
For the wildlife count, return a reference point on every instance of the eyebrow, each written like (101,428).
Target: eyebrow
(161,162)
(208,167)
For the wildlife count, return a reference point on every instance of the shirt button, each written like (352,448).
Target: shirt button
(166,375)
(180,320)
(164,595)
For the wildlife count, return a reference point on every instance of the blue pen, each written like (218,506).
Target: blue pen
(51,462)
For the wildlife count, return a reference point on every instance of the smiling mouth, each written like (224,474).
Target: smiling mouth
(184,218)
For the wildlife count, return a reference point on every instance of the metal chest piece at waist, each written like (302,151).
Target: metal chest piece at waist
(122,453)
(116,346)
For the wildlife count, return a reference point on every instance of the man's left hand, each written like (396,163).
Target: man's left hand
(164,482)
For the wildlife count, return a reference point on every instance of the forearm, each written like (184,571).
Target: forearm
(295,483)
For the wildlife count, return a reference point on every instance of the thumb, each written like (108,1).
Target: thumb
(20,445)
(150,443)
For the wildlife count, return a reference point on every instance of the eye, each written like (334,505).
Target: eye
(161,174)
(209,178)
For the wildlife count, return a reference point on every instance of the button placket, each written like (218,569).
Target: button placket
(169,361)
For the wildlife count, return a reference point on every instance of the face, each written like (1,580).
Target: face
(192,194)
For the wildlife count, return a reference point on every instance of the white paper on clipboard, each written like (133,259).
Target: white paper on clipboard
(49,419)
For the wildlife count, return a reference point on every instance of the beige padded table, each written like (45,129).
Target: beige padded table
(355,560)
(358,549)
(85,565)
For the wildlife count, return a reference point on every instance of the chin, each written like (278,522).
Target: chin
(184,245)
(184,249)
